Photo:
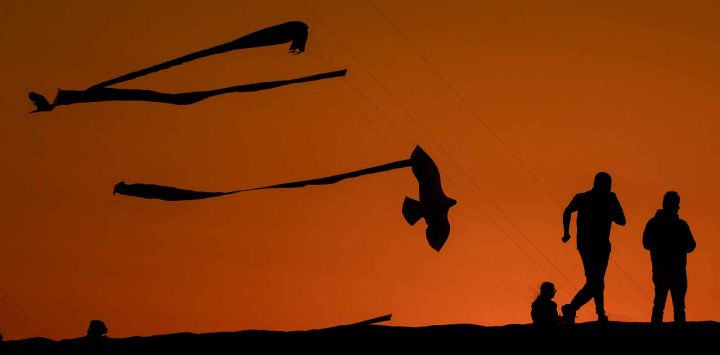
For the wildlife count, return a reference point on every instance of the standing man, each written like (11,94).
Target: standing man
(669,240)
(596,209)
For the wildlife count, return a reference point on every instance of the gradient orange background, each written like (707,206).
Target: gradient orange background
(572,88)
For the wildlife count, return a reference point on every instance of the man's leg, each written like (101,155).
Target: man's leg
(586,292)
(583,295)
(661,290)
(678,289)
(598,281)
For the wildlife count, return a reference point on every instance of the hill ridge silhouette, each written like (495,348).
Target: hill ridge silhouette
(580,338)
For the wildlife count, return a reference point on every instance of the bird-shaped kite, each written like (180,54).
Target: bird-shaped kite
(433,205)
(295,32)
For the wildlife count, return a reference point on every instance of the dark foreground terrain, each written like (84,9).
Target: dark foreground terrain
(693,337)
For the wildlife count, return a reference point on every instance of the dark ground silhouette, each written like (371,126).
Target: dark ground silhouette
(460,338)
(433,205)
(295,32)
(596,210)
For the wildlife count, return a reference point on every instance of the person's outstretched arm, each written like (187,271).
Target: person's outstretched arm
(567,214)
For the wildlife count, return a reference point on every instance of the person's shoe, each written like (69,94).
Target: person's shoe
(657,316)
(679,317)
(603,318)
(568,313)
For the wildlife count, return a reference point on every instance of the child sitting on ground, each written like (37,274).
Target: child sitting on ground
(544,309)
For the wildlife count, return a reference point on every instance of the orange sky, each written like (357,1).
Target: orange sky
(570,87)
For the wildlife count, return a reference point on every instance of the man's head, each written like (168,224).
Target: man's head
(671,201)
(603,182)
(547,289)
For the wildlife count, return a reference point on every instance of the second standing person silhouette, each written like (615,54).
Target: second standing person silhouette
(669,240)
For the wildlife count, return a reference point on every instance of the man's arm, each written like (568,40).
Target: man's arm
(689,240)
(648,236)
(567,214)
(619,215)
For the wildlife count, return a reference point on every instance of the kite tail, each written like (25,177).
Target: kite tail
(411,211)
(295,32)
(165,193)
(169,193)
(337,178)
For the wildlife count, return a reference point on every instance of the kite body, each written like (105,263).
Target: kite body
(434,205)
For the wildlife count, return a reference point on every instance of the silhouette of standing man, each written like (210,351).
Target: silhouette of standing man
(596,209)
(669,240)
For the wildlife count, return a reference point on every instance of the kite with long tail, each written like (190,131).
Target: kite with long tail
(295,32)
(433,205)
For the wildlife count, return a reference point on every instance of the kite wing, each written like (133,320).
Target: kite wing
(437,233)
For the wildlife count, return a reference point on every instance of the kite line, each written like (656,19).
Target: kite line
(498,139)
(455,163)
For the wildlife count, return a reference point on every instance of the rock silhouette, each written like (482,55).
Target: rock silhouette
(96,329)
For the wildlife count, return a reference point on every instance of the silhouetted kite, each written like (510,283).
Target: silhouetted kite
(433,206)
(294,32)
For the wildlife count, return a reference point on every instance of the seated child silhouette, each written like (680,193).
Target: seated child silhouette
(544,309)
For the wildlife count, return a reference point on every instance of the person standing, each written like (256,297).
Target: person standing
(596,210)
(669,240)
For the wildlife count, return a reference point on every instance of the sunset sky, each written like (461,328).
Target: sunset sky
(519,103)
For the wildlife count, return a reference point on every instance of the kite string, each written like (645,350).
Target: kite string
(495,205)
(355,90)
(358,93)
(356,96)
(26,317)
(469,107)
(483,212)
(491,131)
